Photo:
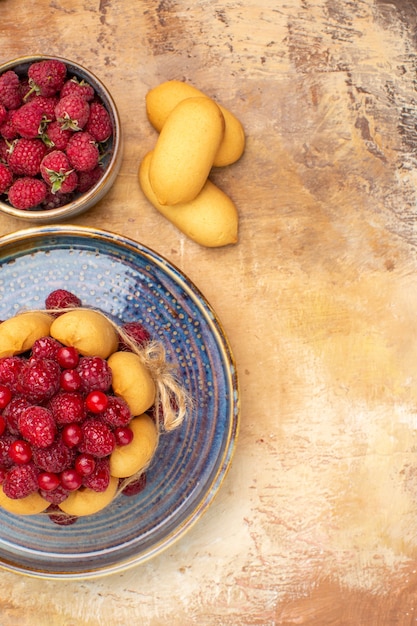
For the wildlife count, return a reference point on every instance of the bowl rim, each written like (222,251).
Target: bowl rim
(77,205)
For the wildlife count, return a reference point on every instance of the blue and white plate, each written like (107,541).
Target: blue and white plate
(127,281)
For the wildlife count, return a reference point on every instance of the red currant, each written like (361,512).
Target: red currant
(5,396)
(68,357)
(20,451)
(71,479)
(48,481)
(97,401)
(85,464)
(72,435)
(124,435)
(2,425)
(70,380)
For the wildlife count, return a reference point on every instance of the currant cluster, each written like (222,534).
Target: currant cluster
(59,420)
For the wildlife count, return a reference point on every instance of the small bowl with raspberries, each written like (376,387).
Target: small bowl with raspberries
(60,139)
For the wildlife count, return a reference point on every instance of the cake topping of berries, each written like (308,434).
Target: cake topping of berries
(63,429)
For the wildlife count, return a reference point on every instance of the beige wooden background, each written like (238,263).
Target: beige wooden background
(316,522)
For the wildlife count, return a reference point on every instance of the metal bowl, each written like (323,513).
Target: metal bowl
(112,161)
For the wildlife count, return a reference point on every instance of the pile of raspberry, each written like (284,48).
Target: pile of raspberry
(54,133)
(59,421)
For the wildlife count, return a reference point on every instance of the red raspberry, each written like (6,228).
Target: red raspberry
(27,120)
(80,88)
(5,442)
(67,407)
(39,379)
(82,152)
(99,478)
(61,299)
(13,411)
(117,412)
(136,332)
(10,370)
(37,426)
(58,173)
(55,200)
(26,156)
(86,180)
(56,496)
(56,137)
(6,177)
(46,105)
(99,123)
(46,348)
(98,439)
(47,77)
(27,193)
(55,458)
(4,150)
(95,374)
(7,128)
(10,94)
(21,481)
(3,114)
(72,112)
(135,486)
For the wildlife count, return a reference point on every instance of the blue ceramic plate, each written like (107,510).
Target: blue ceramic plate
(127,281)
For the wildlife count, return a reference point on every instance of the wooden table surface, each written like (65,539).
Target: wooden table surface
(316,521)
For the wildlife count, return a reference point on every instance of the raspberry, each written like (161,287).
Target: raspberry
(54,200)
(5,443)
(136,332)
(46,348)
(86,180)
(95,374)
(46,105)
(117,412)
(7,128)
(3,113)
(135,486)
(67,407)
(10,370)
(99,123)
(57,172)
(46,77)
(6,177)
(56,137)
(10,94)
(13,411)
(21,481)
(80,88)
(56,496)
(61,299)
(39,379)
(27,193)
(26,156)
(27,120)
(82,152)
(98,439)
(4,150)
(55,458)
(72,112)
(99,478)
(37,426)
